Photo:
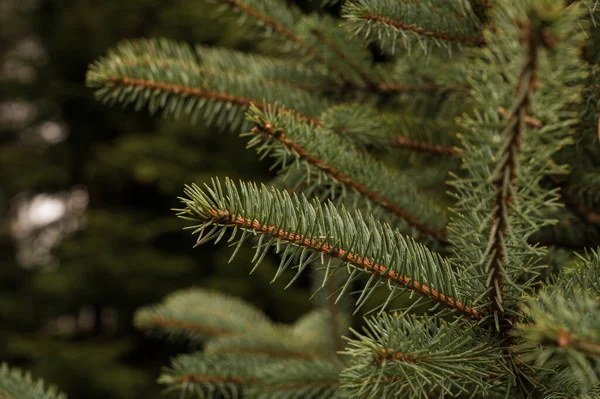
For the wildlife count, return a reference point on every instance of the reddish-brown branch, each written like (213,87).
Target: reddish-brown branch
(566,339)
(185,90)
(425,32)
(391,354)
(506,172)
(245,103)
(166,63)
(188,326)
(197,92)
(529,121)
(223,217)
(403,142)
(278,134)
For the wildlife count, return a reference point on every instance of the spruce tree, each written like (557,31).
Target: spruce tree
(442,152)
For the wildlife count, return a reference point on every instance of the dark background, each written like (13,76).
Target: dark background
(87,234)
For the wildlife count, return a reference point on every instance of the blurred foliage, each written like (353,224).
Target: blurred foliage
(70,322)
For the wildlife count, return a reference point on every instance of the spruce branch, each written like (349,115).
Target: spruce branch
(311,337)
(299,379)
(432,22)
(280,343)
(315,230)
(402,142)
(197,314)
(325,326)
(270,69)
(506,170)
(211,376)
(413,357)
(172,80)
(583,275)
(15,384)
(343,165)
(563,335)
(366,127)
(502,204)
(529,121)
(242,375)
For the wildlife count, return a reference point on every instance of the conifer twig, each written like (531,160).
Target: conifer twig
(422,31)
(506,171)
(566,339)
(200,93)
(531,122)
(403,142)
(224,217)
(392,354)
(165,64)
(341,177)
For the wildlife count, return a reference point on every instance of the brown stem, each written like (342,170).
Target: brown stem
(196,92)
(224,217)
(245,103)
(279,135)
(531,122)
(166,64)
(566,339)
(425,32)
(391,354)
(506,172)
(403,142)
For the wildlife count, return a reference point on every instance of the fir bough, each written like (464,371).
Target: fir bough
(496,268)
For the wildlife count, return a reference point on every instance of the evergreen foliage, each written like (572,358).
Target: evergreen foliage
(502,295)
(16,384)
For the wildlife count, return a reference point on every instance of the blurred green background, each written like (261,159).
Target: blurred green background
(87,234)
